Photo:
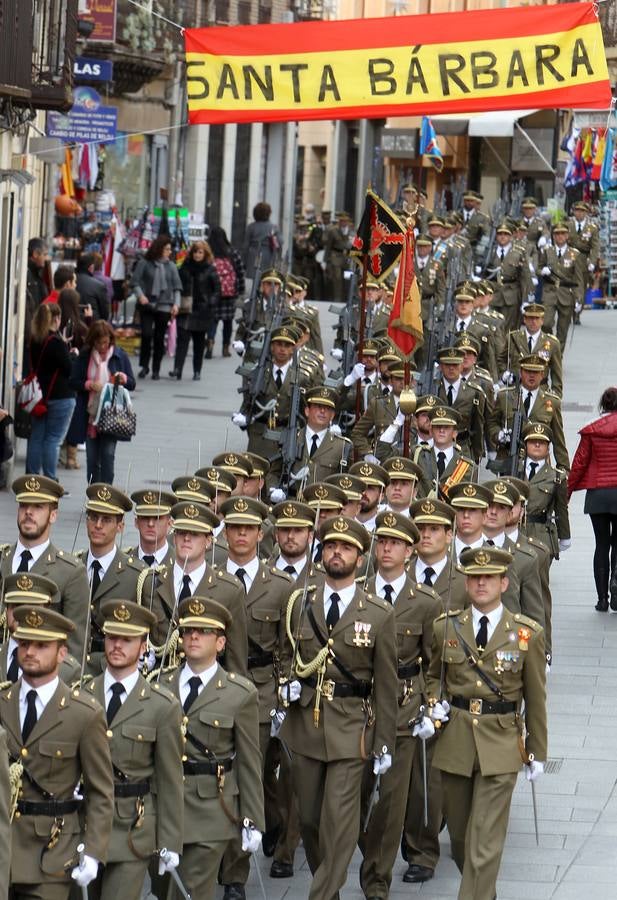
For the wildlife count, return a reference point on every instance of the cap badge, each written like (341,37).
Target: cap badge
(440,411)
(191,511)
(197,607)
(431,401)
(365,469)
(193,484)
(428,508)
(241,505)
(122,614)
(34,620)
(33,484)
(289,510)
(149,497)
(469,490)
(538,429)
(340,525)
(231,459)
(213,475)
(321,492)
(389,520)
(103,493)
(346,483)
(398,465)
(501,488)
(481,558)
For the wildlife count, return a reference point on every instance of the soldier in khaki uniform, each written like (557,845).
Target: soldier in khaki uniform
(111,572)
(537,405)
(430,275)
(192,573)
(466,398)
(153,521)
(145,740)
(585,237)
(29,589)
(342,701)
(535,226)
(415,608)
(509,268)
(482,312)
(328,501)
(378,433)
(37,498)
(563,277)
(531,338)
(297,301)
(223,795)
(478,752)
(406,481)
(466,324)
(474,373)
(476,224)
(443,463)
(58,735)
(336,246)
(267,590)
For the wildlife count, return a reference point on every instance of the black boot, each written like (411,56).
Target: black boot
(602,604)
(614,590)
(209,349)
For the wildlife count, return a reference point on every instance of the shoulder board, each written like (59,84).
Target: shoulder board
(135,563)
(129,551)
(68,558)
(505,389)
(450,612)
(86,699)
(224,575)
(4,547)
(241,681)
(5,686)
(280,574)
(525,620)
(160,691)
(426,590)
(377,601)
(87,682)
(480,370)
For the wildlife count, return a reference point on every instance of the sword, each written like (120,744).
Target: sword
(81,848)
(373,800)
(165,855)
(245,824)
(534,803)
(425,783)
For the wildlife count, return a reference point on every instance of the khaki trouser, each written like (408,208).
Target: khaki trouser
(56,891)
(198,870)
(423,843)
(120,880)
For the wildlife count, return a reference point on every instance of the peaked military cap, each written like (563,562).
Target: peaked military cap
(535,310)
(261,466)
(504,227)
(243,511)
(107,500)
(30,589)
(502,492)
(424,240)
(465,292)
(324,396)
(521,486)
(485,561)
(342,528)
(323,495)
(431,512)
(203,612)
(293,514)
(236,463)
(351,485)
(467,495)
(272,275)
(152,503)
(397,369)
(537,431)
(436,220)
(370,347)
(284,333)
(450,355)
(40,623)
(533,362)
(191,516)
(580,204)
(124,618)
(529,201)
(392,524)
(426,403)
(402,469)
(467,344)
(370,473)
(559,226)
(444,415)
(222,481)
(191,487)
(36,489)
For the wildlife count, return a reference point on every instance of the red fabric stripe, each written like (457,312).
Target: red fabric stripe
(391,31)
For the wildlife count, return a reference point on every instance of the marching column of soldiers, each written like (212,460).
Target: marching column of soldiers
(338,637)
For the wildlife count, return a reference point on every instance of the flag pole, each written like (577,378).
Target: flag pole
(407,425)
(361,332)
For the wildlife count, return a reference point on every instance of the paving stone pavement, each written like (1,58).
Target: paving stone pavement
(182,424)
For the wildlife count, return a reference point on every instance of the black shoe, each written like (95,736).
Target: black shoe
(602,604)
(416,874)
(196,376)
(269,839)
(234,892)
(173,373)
(155,376)
(281,870)
(143,372)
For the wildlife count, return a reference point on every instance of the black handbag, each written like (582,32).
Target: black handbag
(118,418)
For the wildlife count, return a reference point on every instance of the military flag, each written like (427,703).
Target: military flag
(428,144)
(405,324)
(380,236)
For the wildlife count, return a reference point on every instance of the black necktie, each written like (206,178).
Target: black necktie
(318,552)
(502,255)
(96,577)
(31,716)
(367,380)
(388,592)
(313,449)
(148,558)
(530,344)
(559,254)
(26,556)
(185,591)
(193,694)
(527,403)
(466,547)
(482,635)
(533,468)
(579,227)
(441,463)
(240,573)
(461,325)
(291,570)
(279,379)
(115,703)
(490,542)
(450,393)
(385,391)
(12,673)
(333,613)
(429,574)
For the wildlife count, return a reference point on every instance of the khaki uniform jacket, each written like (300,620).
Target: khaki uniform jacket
(546,409)
(145,740)
(452,591)
(496,323)
(483,334)
(344,732)
(536,228)
(524,592)
(587,241)
(330,458)
(512,279)
(365,434)
(377,320)
(224,718)
(118,583)
(69,574)
(470,404)
(492,739)
(432,284)
(548,501)
(566,283)
(336,246)
(5,822)
(315,341)
(427,460)
(545,345)
(476,226)
(415,610)
(68,672)
(216,584)
(68,743)
(266,603)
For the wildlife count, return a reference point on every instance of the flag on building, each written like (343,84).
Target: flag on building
(428,144)
(405,323)
(379,238)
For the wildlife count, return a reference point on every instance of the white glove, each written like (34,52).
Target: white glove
(545,270)
(424,729)
(169,863)
(504,436)
(578,307)
(491,454)
(400,419)
(238,347)
(290,691)
(251,839)
(370,458)
(534,770)
(478,270)
(382,763)
(358,371)
(564,544)
(439,712)
(300,475)
(335,430)
(278,716)
(390,434)
(148,661)
(336,353)
(548,669)
(239,419)
(277,495)
(534,280)
(86,872)
(591,267)
(507,377)
(542,241)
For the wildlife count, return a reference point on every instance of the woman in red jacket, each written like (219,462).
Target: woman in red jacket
(595,468)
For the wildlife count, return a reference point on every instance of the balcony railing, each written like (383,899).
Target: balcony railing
(54,31)
(15,45)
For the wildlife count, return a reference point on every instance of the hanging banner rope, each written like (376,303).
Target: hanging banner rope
(520,58)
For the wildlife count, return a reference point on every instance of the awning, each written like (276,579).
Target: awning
(490,124)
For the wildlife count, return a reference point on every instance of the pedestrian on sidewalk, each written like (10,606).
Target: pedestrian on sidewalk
(595,468)
(230,269)
(262,243)
(157,284)
(74,326)
(200,294)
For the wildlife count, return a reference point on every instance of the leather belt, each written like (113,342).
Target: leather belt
(131,789)
(192,767)
(539,519)
(258,660)
(53,808)
(332,689)
(479,707)
(408,671)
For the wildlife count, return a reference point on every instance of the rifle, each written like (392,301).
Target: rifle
(249,320)
(440,204)
(290,451)
(345,332)
(497,213)
(518,192)
(514,463)
(440,329)
(457,190)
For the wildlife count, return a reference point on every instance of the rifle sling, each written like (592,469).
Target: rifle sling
(473,662)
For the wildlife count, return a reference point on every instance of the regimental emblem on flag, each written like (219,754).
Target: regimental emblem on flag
(428,144)
(380,236)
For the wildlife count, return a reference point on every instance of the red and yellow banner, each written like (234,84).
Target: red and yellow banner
(519,58)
